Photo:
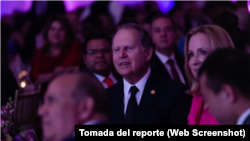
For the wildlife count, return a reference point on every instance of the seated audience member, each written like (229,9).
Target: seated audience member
(225,86)
(59,53)
(8,83)
(143,97)
(72,99)
(200,42)
(97,56)
(168,62)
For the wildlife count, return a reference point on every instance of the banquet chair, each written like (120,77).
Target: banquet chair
(26,105)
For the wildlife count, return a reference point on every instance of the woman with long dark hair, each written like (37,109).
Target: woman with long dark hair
(59,53)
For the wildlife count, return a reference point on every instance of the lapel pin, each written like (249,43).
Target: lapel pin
(153,92)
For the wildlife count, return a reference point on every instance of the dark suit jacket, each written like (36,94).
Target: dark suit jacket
(72,138)
(169,104)
(160,69)
(247,120)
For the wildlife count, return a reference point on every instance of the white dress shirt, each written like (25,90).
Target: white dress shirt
(243,117)
(140,85)
(101,78)
(164,59)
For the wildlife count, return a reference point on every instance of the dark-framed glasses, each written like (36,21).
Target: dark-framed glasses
(95,51)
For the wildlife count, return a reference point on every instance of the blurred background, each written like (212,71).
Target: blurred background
(41,39)
(23,24)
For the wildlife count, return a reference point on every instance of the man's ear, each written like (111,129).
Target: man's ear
(149,53)
(228,93)
(86,108)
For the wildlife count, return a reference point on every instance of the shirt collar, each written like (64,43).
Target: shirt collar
(92,122)
(101,78)
(243,117)
(140,84)
(163,58)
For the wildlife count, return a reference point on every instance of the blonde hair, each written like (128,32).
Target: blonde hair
(218,38)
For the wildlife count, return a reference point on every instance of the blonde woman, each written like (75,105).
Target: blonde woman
(200,42)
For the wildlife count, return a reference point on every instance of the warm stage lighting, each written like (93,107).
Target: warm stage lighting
(23,84)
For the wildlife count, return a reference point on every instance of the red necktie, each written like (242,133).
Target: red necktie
(108,81)
(173,70)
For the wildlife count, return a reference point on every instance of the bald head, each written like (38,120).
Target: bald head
(78,85)
(64,84)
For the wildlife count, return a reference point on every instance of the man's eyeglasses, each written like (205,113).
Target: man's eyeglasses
(95,51)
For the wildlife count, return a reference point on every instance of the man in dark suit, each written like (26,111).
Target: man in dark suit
(143,97)
(72,99)
(225,85)
(97,58)
(168,62)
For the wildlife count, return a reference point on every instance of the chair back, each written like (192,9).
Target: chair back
(25,108)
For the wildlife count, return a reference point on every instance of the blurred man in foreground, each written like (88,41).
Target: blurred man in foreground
(225,85)
(69,100)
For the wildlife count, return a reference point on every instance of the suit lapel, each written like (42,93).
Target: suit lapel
(180,62)
(150,92)
(119,103)
(160,68)
(117,76)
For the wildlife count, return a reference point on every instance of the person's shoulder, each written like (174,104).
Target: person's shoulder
(39,50)
(39,53)
(171,89)
(247,120)
(115,87)
(169,83)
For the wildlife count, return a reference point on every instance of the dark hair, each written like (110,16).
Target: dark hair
(96,35)
(161,15)
(228,66)
(88,86)
(145,38)
(229,21)
(91,24)
(67,27)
